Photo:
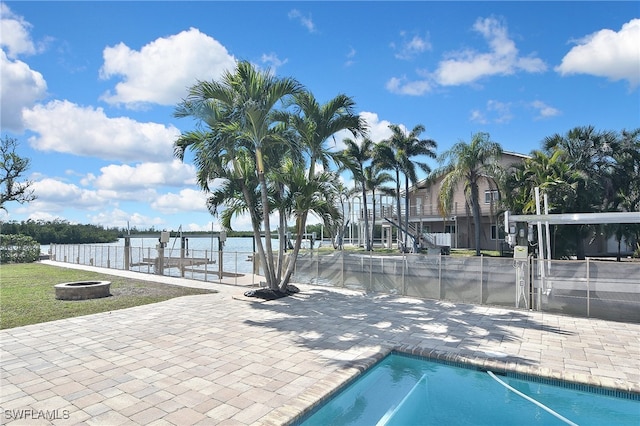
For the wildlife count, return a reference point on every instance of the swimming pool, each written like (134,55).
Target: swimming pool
(405,390)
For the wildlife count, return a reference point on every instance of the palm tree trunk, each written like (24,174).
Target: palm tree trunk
(269,266)
(475,208)
(399,213)
(406,210)
(373,217)
(281,243)
(300,226)
(366,217)
(255,225)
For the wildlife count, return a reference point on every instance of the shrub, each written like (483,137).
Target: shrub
(18,249)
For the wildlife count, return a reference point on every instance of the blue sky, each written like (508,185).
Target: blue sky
(89,88)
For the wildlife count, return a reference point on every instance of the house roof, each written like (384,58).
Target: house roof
(422,183)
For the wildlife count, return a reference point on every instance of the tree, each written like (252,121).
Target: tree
(240,112)
(402,147)
(626,154)
(354,157)
(589,152)
(375,178)
(12,168)
(554,177)
(314,125)
(468,164)
(549,173)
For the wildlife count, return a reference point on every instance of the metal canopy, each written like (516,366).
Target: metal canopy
(578,218)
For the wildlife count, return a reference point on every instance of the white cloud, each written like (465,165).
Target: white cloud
(44,216)
(85,131)
(402,86)
(467,66)
(120,219)
(54,195)
(378,129)
(21,87)
(305,21)
(607,53)
(544,110)
(272,61)
(210,226)
(144,175)
(163,70)
(186,200)
(15,34)
(410,47)
(495,112)
(477,116)
(350,55)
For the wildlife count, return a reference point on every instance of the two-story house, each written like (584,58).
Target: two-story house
(425,216)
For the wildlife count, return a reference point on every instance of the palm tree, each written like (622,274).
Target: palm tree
(553,176)
(626,155)
(353,158)
(406,146)
(468,164)
(375,178)
(314,125)
(304,196)
(589,152)
(239,111)
(339,226)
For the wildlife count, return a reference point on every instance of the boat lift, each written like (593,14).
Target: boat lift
(520,232)
(183,262)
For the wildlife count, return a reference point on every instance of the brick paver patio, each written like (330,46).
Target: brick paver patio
(223,359)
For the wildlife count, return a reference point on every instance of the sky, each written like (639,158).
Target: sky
(89,89)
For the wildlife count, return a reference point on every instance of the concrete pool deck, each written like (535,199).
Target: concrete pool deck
(225,359)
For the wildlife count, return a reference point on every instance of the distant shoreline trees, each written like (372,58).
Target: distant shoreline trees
(61,232)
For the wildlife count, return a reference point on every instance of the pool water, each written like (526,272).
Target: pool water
(404,390)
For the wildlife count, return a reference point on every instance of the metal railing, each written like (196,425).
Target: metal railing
(202,265)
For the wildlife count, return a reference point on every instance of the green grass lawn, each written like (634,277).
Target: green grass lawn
(27,295)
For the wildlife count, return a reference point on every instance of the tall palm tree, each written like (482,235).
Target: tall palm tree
(589,152)
(375,178)
(468,164)
(406,146)
(239,111)
(306,196)
(626,155)
(353,158)
(314,125)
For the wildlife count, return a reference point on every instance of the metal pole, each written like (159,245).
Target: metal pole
(127,254)
(588,291)
(220,268)
(481,273)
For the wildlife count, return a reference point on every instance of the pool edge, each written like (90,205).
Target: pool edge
(320,392)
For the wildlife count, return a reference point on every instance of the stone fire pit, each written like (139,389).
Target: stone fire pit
(82,290)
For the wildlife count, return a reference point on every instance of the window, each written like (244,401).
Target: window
(449,229)
(497,233)
(491,196)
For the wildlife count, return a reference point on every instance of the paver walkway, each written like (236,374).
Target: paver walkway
(222,359)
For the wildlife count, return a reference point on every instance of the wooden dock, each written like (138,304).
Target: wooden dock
(175,262)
